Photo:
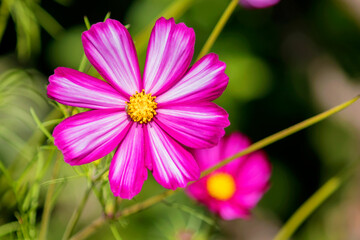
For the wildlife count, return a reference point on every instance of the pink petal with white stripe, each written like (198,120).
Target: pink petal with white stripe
(74,88)
(110,49)
(88,136)
(200,125)
(205,81)
(127,170)
(172,165)
(170,50)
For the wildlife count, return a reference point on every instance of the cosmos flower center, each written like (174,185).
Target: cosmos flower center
(221,186)
(141,107)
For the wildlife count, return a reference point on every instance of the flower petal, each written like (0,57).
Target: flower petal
(227,147)
(88,136)
(205,81)
(248,200)
(196,126)
(74,88)
(198,190)
(251,174)
(170,50)
(172,165)
(207,157)
(110,49)
(127,170)
(232,144)
(228,211)
(258,3)
(254,173)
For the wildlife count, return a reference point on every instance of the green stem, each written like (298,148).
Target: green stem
(48,206)
(40,125)
(83,63)
(126,212)
(84,60)
(254,147)
(90,228)
(218,28)
(282,134)
(37,137)
(76,215)
(115,232)
(308,207)
(145,204)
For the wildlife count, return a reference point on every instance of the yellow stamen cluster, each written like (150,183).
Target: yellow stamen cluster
(221,186)
(141,107)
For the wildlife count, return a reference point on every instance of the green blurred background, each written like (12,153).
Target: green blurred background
(285,64)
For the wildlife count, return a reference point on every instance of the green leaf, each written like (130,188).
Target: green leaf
(9,228)
(41,126)
(107,16)
(87,22)
(62,180)
(47,21)
(115,232)
(6,173)
(192,212)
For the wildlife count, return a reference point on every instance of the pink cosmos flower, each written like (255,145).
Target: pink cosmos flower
(149,119)
(231,191)
(258,3)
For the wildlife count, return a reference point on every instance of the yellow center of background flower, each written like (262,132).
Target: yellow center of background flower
(141,107)
(221,186)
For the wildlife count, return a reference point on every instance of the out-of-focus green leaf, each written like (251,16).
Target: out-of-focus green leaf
(335,143)
(67,49)
(27,29)
(6,173)
(249,77)
(4,16)
(13,140)
(115,232)
(18,91)
(8,228)
(27,16)
(47,21)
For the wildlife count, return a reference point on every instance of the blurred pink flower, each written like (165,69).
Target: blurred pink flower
(233,190)
(148,134)
(258,3)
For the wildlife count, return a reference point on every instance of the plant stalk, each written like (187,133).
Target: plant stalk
(76,214)
(310,205)
(252,148)
(218,28)
(48,206)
